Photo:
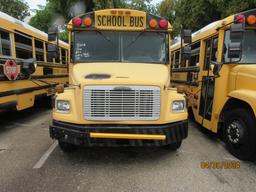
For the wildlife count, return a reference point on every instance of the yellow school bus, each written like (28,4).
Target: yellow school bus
(23,45)
(219,80)
(120,76)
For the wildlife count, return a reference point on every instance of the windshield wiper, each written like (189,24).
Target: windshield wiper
(105,37)
(136,38)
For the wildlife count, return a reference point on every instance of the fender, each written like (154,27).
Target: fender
(248,96)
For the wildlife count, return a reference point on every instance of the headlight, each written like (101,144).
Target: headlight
(178,106)
(63,106)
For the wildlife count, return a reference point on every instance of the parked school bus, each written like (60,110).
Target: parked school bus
(23,47)
(220,80)
(119,92)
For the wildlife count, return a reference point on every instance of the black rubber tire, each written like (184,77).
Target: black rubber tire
(67,147)
(173,146)
(245,149)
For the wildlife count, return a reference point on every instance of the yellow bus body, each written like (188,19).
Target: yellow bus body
(234,89)
(21,93)
(119,75)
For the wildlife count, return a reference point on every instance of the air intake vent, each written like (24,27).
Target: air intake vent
(121,103)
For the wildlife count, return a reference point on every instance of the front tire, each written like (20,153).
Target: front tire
(67,147)
(239,134)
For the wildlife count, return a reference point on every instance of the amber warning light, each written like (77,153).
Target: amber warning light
(250,19)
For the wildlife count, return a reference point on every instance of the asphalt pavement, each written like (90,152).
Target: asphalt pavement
(31,161)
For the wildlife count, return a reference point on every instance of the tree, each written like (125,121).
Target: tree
(15,8)
(59,12)
(195,14)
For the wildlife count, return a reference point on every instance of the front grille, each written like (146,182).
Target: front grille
(121,103)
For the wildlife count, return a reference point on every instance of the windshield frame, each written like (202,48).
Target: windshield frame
(238,62)
(121,56)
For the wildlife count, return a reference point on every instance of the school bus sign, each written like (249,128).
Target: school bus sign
(120,20)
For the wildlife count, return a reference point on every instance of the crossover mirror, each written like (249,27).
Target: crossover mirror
(234,50)
(28,67)
(53,50)
(186,35)
(216,70)
(186,53)
(53,34)
(236,32)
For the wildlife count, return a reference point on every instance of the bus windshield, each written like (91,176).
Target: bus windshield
(115,46)
(248,46)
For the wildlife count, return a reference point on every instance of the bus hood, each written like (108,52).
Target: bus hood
(121,73)
(245,77)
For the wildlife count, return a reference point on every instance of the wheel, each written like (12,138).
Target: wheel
(67,147)
(239,134)
(173,146)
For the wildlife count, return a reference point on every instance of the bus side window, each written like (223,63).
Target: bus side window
(214,53)
(49,56)
(39,45)
(177,59)
(64,56)
(207,54)
(195,52)
(210,52)
(57,58)
(23,45)
(5,43)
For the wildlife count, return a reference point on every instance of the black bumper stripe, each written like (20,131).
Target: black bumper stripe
(79,134)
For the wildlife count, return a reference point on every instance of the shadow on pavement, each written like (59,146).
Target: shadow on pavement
(118,155)
(9,117)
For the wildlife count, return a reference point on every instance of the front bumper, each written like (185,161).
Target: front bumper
(119,135)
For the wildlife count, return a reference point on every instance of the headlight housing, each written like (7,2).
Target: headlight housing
(178,106)
(62,106)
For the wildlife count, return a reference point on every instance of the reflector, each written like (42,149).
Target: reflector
(77,21)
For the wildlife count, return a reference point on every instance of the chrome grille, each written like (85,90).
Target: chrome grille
(121,103)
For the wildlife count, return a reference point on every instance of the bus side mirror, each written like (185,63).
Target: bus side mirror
(186,53)
(53,50)
(236,32)
(236,38)
(53,34)
(216,69)
(234,50)
(187,36)
(28,67)
(59,88)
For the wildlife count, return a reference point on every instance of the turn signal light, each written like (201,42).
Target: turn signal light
(163,23)
(77,21)
(239,19)
(153,23)
(87,21)
(59,88)
(251,19)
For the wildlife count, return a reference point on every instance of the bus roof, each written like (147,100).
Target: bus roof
(206,31)
(13,24)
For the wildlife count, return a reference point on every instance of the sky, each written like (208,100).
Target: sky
(33,3)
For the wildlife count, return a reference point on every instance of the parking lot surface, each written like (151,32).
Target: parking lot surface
(31,161)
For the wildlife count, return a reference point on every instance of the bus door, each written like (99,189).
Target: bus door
(208,82)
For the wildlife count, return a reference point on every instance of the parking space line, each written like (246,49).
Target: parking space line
(45,156)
